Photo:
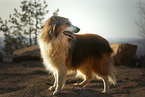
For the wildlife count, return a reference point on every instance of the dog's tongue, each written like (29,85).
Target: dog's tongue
(69,34)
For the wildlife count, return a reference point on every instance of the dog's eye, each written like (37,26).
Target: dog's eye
(67,23)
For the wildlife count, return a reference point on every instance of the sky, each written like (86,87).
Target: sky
(108,18)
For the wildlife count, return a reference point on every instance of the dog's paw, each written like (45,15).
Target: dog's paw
(78,85)
(56,93)
(52,88)
(104,92)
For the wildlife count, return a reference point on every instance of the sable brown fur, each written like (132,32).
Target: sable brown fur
(63,51)
(88,46)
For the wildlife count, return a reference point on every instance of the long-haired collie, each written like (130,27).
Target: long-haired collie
(62,51)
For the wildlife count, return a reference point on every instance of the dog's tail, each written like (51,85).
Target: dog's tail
(111,76)
(112,79)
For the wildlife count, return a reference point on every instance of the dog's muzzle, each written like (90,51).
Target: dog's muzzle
(77,30)
(69,31)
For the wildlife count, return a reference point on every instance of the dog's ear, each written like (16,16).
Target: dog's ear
(53,21)
(52,29)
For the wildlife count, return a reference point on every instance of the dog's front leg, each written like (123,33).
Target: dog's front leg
(61,75)
(52,88)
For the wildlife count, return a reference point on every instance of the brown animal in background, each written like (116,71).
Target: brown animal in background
(63,51)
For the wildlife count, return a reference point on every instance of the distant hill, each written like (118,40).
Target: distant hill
(139,42)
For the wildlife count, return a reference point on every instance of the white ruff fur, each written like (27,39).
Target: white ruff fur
(54,55)
(54,52)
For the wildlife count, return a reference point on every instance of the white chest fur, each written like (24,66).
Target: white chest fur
(54,52)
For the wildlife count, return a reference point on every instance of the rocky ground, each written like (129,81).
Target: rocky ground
(29,79)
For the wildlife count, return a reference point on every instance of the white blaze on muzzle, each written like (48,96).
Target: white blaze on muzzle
(71,28)
(69,31)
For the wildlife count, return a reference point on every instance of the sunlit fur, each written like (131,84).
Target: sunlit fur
(89,54)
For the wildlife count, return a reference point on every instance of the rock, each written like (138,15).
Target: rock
(8,58)
(1,57)
(141,62)
(123,53)
(28,53)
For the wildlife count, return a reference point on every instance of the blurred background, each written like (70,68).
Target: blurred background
(121,22)
(115,20)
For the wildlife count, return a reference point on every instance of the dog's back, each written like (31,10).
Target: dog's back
(88,46)
(91,54)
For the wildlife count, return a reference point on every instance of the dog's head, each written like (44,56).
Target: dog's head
(59,25)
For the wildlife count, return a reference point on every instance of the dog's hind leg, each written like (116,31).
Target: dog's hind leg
(87,75)
(83,83)
(106,84)
(60,79)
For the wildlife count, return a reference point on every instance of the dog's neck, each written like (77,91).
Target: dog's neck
(56,47)
(59,49)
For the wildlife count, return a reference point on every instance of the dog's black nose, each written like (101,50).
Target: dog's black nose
(77,30)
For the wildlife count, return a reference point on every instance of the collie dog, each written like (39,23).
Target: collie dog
(62,51)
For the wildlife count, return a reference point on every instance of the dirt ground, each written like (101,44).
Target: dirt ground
(29,79)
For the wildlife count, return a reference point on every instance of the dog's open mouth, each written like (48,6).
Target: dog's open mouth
(69,34)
